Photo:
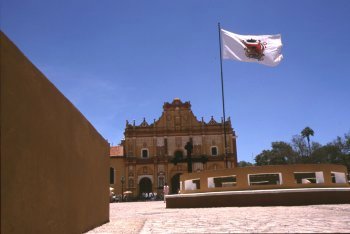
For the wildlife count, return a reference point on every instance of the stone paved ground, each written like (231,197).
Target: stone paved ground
(153,217)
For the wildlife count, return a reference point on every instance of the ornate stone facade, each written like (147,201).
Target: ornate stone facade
(153,153)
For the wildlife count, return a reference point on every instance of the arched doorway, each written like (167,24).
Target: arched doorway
(175,183)
(145,185)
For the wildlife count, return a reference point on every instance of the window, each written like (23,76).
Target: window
(223,181)
(192,184)
(338,177)
(144,153)
(111,175)
(214,151)
(265,179)
(309,177)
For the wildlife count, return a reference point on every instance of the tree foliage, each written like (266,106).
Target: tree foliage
(300,151)
(299,145)
(244,164)
(307,132)
(281,153)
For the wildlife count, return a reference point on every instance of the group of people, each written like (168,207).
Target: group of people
(149,196)
(154,196)
(145,196)
(118,197)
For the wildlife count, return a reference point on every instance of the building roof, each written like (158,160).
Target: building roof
(116,151)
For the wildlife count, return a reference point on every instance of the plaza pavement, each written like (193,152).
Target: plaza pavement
(153,217)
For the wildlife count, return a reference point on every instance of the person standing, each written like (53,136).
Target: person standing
(165,190)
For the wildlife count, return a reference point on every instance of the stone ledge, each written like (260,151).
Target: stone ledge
(271,197)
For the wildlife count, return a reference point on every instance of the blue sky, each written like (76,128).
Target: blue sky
(121,60)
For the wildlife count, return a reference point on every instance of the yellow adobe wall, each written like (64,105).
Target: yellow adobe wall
(287,171)
(54,164)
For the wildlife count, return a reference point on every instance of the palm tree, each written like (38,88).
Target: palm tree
(307,132)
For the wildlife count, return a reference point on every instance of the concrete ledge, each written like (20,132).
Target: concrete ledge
(271,197)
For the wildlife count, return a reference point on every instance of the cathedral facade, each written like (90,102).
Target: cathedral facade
(153,154)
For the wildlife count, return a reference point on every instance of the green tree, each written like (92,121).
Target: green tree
(263,158)
(315,146)
(281,153)
(284,151)
(306,133)
(347,143)
(343,145)
(299,146)
(327,154)
(245,164)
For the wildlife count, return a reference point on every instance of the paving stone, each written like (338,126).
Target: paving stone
(153,217)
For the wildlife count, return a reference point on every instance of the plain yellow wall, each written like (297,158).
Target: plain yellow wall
(54,164)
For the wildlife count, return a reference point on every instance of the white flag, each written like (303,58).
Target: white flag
(264,49)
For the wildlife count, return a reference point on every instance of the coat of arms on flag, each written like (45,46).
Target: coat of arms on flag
(254,48)
(263,49)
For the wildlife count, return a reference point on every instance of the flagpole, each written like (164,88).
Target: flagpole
(223,99)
